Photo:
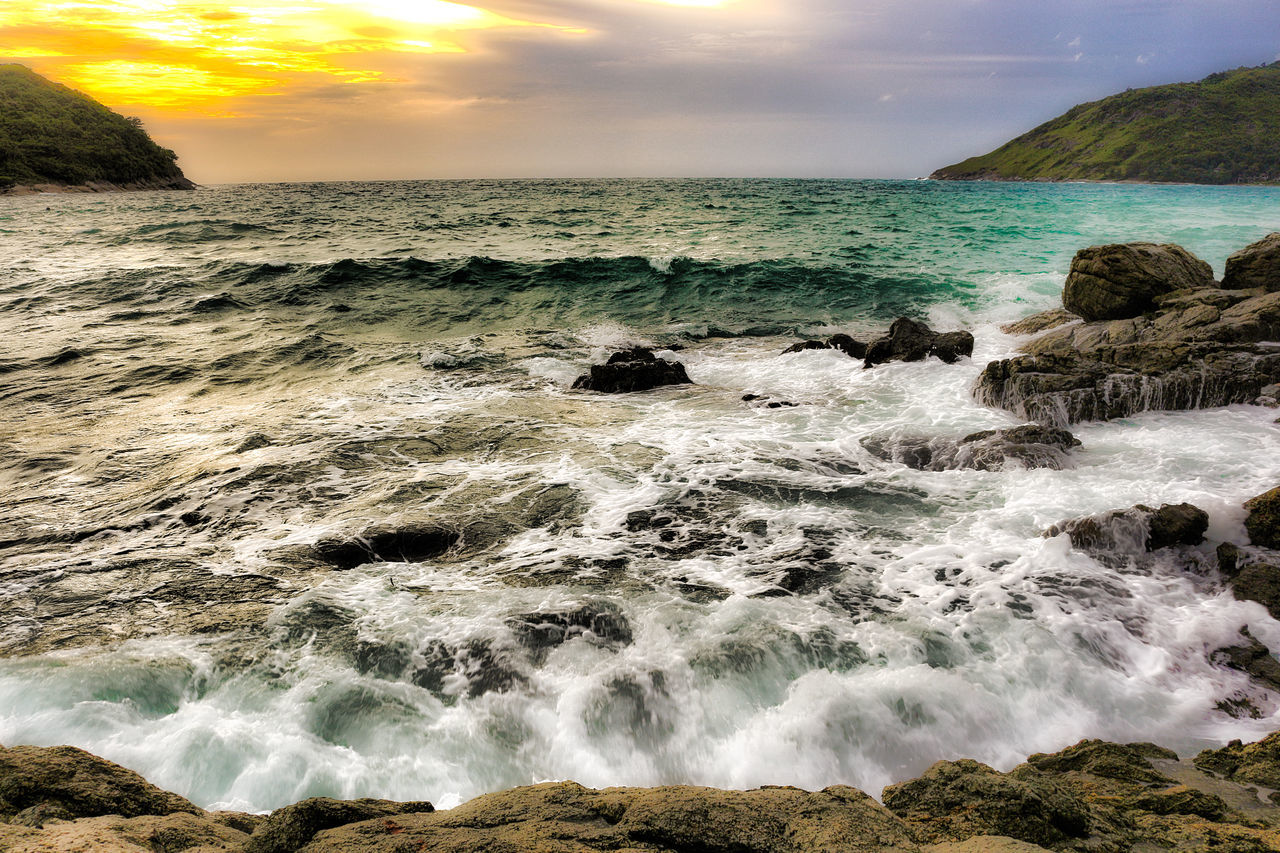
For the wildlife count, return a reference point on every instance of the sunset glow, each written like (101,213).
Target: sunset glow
(179,55)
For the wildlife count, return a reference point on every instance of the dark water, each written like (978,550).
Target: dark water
(668,587)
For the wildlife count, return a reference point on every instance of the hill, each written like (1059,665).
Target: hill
(50,134)
(1224,129)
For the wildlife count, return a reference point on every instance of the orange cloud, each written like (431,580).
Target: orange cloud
(183,56)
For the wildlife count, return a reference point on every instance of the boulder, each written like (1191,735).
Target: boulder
(65,781)
(954,800)
(848,346)
(1122,280)
(1263,520)
(952,346)
(636,369)
(1139,528)
(289,828)
(1258,579)
(909,340)
(806,345)
(1256,265)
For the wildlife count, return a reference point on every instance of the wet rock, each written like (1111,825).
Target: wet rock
(954,800)
(291,827)
(1256,265)
(909,340)
(806,345)
(1031,446)
(1251,657)
(409,543)
(1180,800)
(1122,280)
(636,369)
(1259,580)
(472,667)
(599,621)
(65,780)
(1040,322)
(1138,528)
(952,346)
(848,346)
(1228,554)
(1254,763)
(1123,762)
(1263,520)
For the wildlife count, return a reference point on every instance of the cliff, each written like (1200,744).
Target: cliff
(54,137)
(1224,129)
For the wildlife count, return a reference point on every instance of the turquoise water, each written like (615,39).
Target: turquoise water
(199,386)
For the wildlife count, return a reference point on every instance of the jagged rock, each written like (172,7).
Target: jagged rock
(1256,265)
(64,779)
(954,800)
(909,340)
(291,827)
(407,543)
(1040,322)
(1031,445)
(1124,762)
(1180,799)
(806,345)
(1254,763)
(636,369)
(1122,280)
(564,817)
(1263,520)
(1138,528)
(848,346)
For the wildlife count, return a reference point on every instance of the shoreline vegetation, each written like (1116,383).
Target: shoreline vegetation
(1224,129)
(1093,796)
(54,139)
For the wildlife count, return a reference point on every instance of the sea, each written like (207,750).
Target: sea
(673,586)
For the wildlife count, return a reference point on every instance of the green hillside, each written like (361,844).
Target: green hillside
(52,134)
(1224,129)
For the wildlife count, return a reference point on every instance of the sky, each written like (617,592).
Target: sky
(270,90)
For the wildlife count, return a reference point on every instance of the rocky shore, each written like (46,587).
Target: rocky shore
(1094,796)
(179,183)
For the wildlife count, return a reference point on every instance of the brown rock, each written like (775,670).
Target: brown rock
(291,827)
(1257,763)
(1263,520)
(1256,265)
(1122,280)
(1041,322)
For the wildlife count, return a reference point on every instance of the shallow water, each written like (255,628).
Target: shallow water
(675,586)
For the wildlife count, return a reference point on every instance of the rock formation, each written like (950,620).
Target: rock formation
(636,369)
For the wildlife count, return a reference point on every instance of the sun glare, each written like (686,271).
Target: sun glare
(183,55)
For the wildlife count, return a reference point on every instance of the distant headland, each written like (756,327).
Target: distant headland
(55,139)
(1225,129)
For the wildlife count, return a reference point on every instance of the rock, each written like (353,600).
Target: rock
(1250,657)
(909,340)
(952,346)
(408,543)
(1139,528)
(291,827)
(1122,280)
(1228,554)
(1256,265)
(113,834)
(1259,580)
(954,800)
(848,346)
(806,345)
(1263,520)
(1041,322)
(1254,763)
(61,780)
(1032,446)
(1123,762)
(564,817)
(1180,799)
(636,369)
(601,621)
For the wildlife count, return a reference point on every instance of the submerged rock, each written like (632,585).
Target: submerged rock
(909,340)
(1031,446)
(1256,265)
(1250,657)
(636,369)
(1122,280)
(1139,528)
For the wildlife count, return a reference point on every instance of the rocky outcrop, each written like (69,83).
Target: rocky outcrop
(909,340)
(1122,280)
(1263,520)
(1030,446)
(1094,796)
(1194,347)
(1139,528)
(636,369)
(408,543)
(1256,265)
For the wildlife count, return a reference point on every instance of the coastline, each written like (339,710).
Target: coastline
(1095,796)
(98,187)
